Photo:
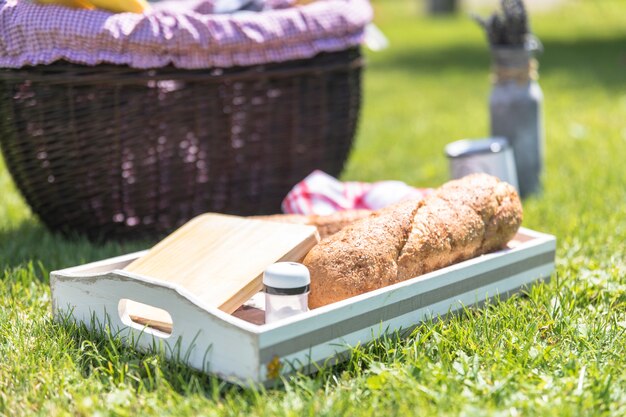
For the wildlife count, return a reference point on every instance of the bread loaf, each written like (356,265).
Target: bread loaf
(326,225)
(462,219)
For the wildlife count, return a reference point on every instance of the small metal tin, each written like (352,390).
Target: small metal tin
(492,156)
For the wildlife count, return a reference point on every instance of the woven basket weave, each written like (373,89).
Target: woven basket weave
(111,151)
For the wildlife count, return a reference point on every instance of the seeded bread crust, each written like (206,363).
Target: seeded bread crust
(463,219)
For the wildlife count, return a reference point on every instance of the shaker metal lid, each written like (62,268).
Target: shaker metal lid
(291,276)
(467,147)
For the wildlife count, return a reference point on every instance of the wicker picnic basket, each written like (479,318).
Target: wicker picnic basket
(112,151)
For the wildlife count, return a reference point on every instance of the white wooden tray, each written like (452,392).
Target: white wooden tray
(213,341)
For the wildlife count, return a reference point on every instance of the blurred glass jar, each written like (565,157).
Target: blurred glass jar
(515,107)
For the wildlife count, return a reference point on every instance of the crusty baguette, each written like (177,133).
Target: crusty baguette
(326,225)
(462,219)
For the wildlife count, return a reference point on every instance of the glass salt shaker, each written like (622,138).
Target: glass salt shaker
(287,287)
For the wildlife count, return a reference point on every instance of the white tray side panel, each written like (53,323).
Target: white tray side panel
(206,343)
(321,352)
(455,279)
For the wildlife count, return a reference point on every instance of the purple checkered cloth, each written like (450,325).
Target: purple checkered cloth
(183,33)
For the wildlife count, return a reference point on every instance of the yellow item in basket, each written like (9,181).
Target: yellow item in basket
(115,6)
(121,6)
(77,4)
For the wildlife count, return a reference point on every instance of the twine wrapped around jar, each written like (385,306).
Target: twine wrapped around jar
(521,75)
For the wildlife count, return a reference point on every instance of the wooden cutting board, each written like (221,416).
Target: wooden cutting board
(220,259)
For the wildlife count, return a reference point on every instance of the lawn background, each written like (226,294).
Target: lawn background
(561,349)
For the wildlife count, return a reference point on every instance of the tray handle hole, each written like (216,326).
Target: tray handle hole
(145,318)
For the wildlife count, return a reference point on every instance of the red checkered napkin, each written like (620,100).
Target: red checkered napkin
(319,193)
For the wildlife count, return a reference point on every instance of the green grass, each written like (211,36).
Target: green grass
(559,350)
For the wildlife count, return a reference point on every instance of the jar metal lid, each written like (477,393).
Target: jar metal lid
(286,278)
(467,147)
